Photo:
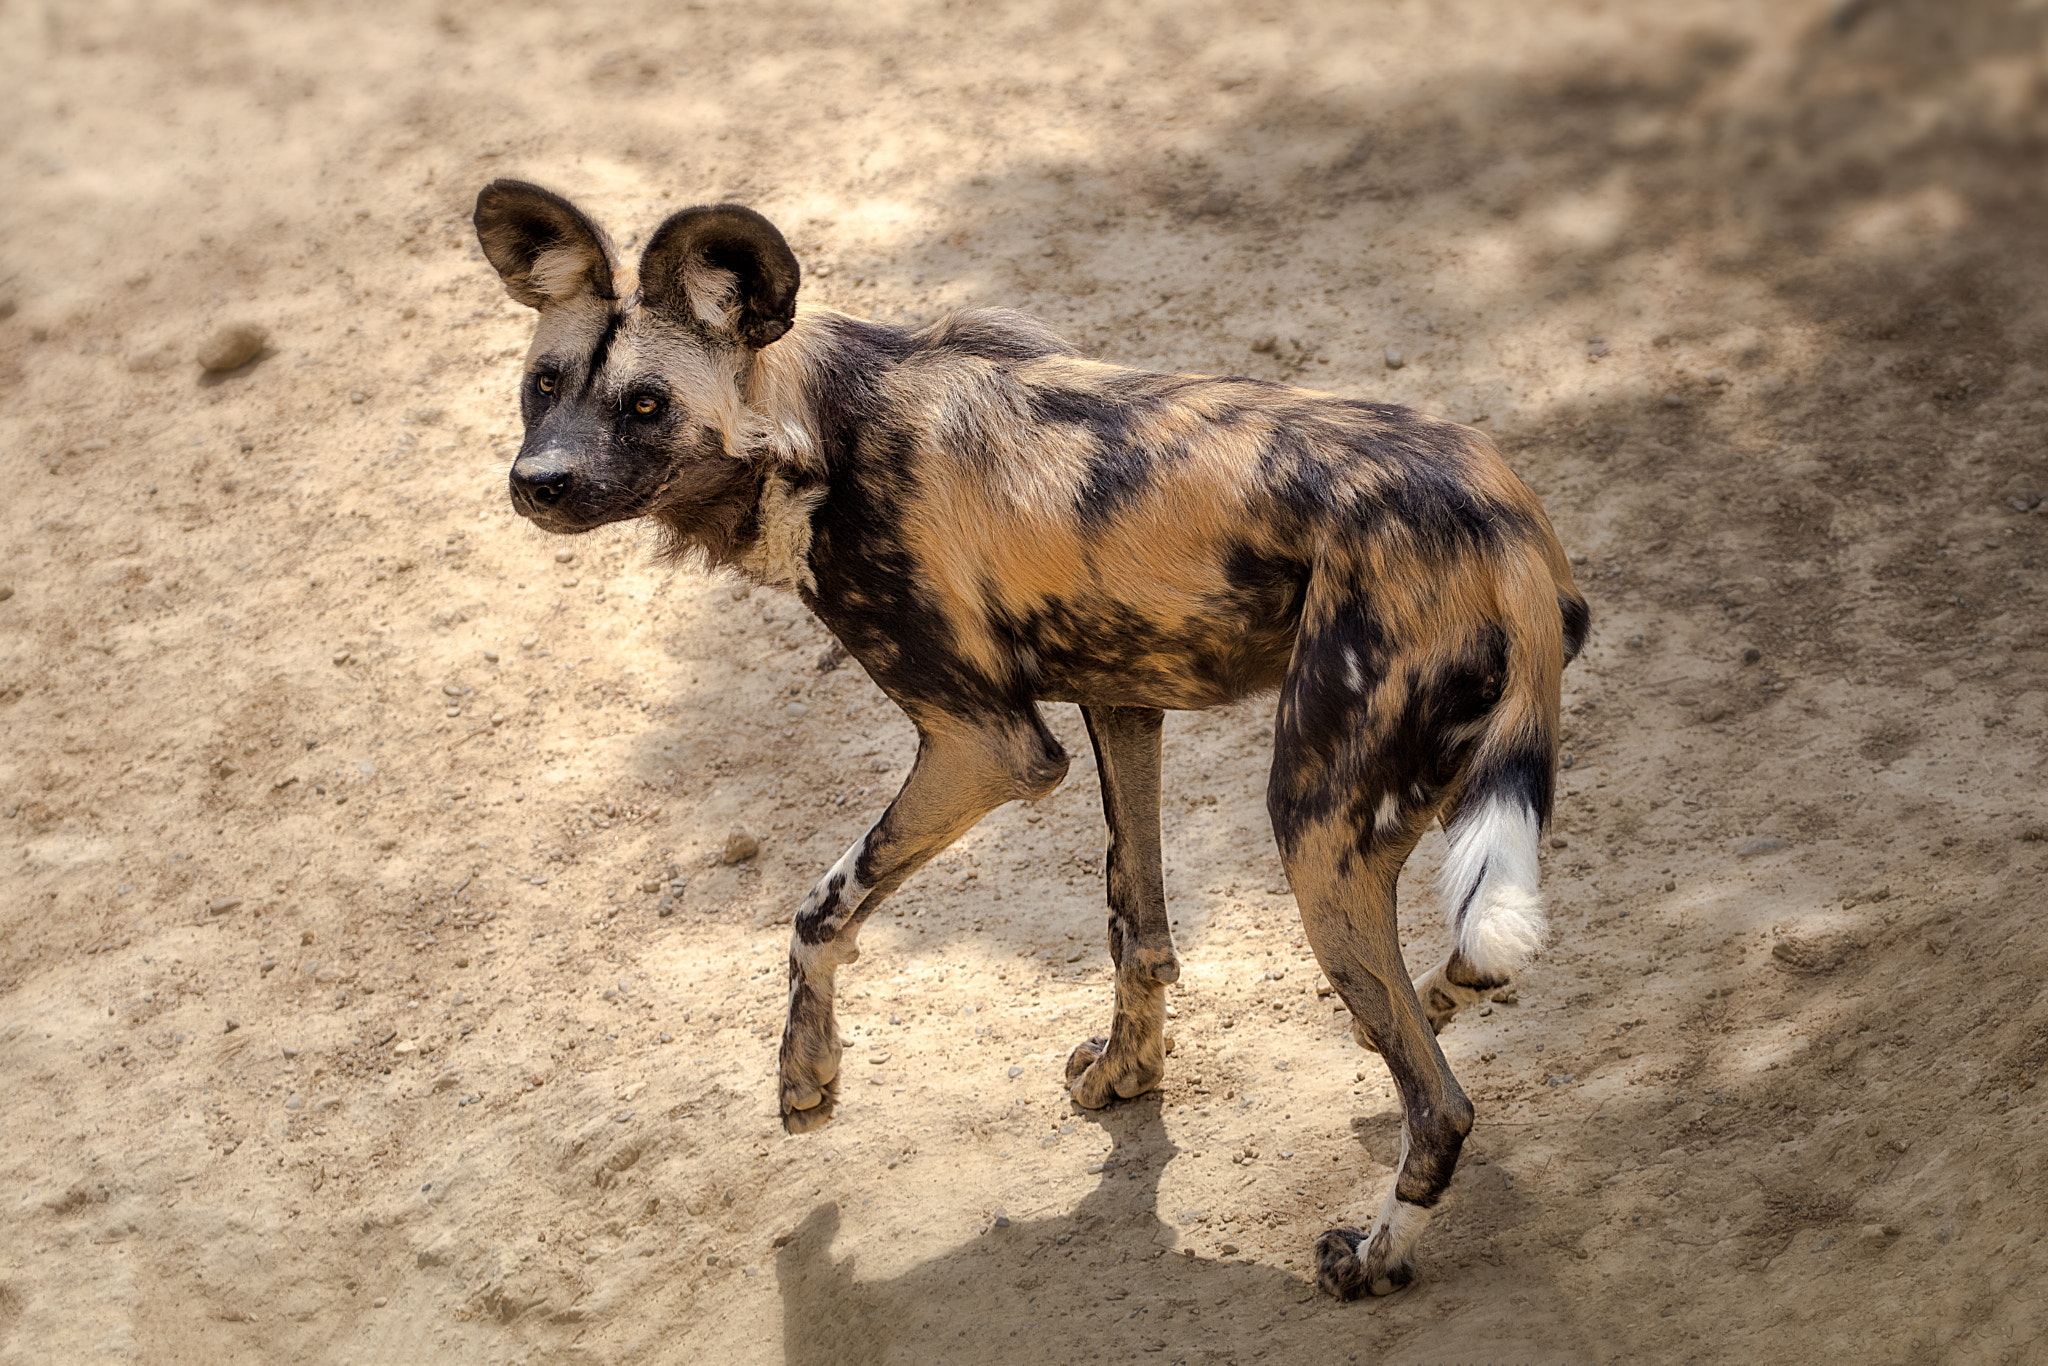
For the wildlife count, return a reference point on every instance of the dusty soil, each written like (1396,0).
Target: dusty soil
(371,985)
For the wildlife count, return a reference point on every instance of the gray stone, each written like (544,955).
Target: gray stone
(1761,844)
(232,347)
(740,846)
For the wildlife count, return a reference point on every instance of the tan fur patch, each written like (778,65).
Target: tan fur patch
(781,555)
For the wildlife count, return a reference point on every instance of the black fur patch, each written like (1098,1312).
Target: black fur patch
(1578,619)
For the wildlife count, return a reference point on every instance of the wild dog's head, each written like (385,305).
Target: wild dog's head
(632,389)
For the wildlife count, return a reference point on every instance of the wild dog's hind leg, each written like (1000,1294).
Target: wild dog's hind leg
(1131,1059)
(1356,779)
(963,771)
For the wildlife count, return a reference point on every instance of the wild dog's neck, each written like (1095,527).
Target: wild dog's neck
(806,389)
(801,429)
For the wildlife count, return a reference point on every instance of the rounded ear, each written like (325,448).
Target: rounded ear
(724,269)
(544,248)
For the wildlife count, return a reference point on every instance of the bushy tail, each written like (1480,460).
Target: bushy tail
(1489,880)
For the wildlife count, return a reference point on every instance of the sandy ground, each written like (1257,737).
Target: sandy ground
(371,985)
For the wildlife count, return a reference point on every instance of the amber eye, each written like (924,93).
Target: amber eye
(646,406)
(546,384)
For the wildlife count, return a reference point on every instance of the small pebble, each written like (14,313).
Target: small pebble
(1016,1071)
(565,557)
(379,1302)
(1673,401)
(293,1101)
(528,642)
(341,656)
(740,846)
(1752,655)
(1395,360)
(232,347)
(490,656)
(1762,844)
(6,591)
(1002,1221)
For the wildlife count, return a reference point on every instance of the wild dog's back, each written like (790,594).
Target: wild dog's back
(1145,538)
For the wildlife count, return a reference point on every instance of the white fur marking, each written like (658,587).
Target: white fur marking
(809,957)
(1403,1224)
(1389,813)
(781,555)
(1491,871)
(1353,675)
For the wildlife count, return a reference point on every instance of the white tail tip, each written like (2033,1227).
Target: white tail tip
(1490,881)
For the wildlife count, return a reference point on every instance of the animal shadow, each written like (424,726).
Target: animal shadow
(1097,1282)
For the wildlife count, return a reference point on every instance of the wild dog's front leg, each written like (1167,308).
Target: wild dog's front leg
(961,774)
(1131,1059)
(823,938)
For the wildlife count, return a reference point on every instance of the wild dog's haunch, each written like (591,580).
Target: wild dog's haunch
(988,520)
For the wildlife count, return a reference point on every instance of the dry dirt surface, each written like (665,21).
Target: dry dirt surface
(373,986)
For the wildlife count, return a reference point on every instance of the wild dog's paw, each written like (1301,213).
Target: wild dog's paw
(809,1073)
(1095,1077)
(1342,1272)
(1442,998)
(806,1109)
(1085,1055)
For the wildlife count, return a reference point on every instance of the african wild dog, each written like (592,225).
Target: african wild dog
(987,520)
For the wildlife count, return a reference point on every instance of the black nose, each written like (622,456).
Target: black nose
(538,484)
